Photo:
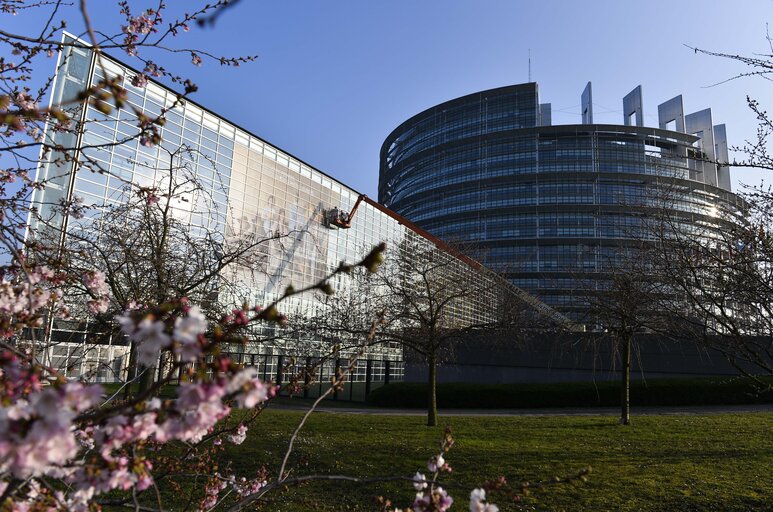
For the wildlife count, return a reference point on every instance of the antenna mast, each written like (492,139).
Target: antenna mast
(529,64)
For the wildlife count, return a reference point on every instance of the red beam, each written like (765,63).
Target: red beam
(432,238)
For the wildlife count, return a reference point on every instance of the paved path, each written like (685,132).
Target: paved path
(579,411)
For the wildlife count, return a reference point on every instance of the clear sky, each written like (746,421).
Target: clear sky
(333,78)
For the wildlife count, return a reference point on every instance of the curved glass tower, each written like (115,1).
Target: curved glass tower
(552,207)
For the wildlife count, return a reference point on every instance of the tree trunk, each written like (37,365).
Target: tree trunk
(432,390)
(625,384)
(147,379)
(131,371)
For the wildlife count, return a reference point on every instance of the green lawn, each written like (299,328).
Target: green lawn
(696,462)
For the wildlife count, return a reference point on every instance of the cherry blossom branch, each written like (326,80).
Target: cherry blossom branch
(336,381)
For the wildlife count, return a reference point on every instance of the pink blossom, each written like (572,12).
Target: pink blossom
(434,464)
(25,298)
(129,47)
(152,69)
(438,500)
(8,301)
(24,101)
(239,317)
(145,481)
(38,298)
(95,282)
(118,473)
(478,502)
(251,390)
(186,333)
(149,334)
(17,380)
(132,306)
(48,439)
(99,305)
(211,494)
(41,273)
(244,487)
(121,430)
(139,80)
(63,311)
(419,481)
(198,408)
(143,24)
(239,436)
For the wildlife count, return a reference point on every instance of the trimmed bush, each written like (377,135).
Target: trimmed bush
(705,391)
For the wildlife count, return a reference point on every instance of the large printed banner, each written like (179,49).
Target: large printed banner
(283,209)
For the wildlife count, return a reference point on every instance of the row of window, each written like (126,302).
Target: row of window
(480,115)
(425,177)
(549,194)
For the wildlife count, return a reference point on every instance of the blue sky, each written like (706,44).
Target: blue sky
(334,78)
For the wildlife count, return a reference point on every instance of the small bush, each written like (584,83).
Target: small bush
(705,391)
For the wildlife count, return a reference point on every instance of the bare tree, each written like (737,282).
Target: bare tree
(432,299)
(169,240)
(31,133)
(624,300)
(755,153)
(720,283)
(42,148)
(155,244)
(720,277)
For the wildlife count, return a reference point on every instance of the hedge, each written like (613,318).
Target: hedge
(704,391)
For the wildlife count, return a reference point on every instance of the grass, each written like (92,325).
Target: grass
(685,462)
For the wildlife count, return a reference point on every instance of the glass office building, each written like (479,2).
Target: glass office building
(553,207)
(247,188)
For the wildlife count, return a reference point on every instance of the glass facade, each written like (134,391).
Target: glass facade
(553,207)
(251,189)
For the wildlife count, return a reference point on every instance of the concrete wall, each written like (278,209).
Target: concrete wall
(571,359)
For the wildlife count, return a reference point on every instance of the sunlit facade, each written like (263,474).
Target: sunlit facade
(552,207)
(249,188)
